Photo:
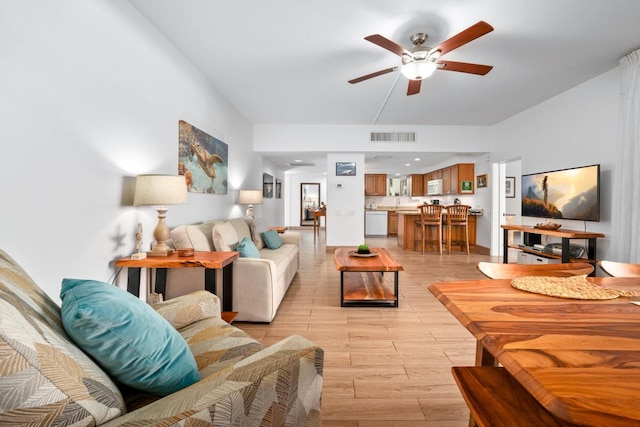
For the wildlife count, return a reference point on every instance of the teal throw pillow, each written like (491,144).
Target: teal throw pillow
(127,338)
(271,239)
(247,248)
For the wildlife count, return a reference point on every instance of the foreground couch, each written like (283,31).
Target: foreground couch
(46,379)
(259,284)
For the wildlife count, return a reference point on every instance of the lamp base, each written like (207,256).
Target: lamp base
(160,249)
(160,252)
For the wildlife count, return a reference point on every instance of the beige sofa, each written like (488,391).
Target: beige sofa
(259,284)
(46,379)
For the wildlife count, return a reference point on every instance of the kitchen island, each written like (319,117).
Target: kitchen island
(410,234)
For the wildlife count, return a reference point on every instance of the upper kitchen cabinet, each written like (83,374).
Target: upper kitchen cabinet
(416,185)
(465,178)
(375,184)
(456,179)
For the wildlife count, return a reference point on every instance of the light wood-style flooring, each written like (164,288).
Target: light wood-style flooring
(383,366)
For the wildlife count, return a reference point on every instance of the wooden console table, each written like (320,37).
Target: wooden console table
(565,235)
(210,261)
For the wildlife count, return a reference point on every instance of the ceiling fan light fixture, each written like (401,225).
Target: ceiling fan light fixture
(418,70)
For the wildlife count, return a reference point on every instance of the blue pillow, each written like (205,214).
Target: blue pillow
(247,248)
(127,338)
(271,239)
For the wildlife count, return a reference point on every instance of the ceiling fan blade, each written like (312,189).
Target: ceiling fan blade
(376,74)
(464,67)
(387,44)
(473,32)
(414,87)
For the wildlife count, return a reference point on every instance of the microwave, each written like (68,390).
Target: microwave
(434,187)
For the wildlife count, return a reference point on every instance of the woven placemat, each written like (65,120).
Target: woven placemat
(575,287)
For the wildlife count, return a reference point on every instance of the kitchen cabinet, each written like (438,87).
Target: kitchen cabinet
(375,184)
(417,188)
(466,172)
(452,177)
(392,223)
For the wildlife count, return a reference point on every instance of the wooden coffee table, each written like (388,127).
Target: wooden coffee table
(364,285)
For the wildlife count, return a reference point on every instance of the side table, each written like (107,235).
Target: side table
(210,261)
(279,228)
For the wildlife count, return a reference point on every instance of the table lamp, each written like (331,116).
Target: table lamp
(250,197)
(159,191)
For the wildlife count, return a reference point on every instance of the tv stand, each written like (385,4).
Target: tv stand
(565,235)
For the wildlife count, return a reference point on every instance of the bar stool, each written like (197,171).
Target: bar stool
(431,216)
(458,216)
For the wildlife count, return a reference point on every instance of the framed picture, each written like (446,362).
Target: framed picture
(278,189)
(345,168)
(510,187)
(267,186)
(466,186)
(202,159)
(482,181)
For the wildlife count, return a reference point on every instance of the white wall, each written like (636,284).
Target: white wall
(91,94)
(345,202)
(575,128)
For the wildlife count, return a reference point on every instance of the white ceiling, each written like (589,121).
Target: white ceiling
(288,61)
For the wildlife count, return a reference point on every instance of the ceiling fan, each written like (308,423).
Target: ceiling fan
(421,61)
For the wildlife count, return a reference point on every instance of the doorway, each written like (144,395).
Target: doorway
(309,201)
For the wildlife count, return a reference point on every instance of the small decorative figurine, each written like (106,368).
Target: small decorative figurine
(138,254)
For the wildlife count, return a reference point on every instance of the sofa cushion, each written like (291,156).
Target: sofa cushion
(247,248)
(126,337)
(241,226)
(45,378)
(271,239)
(225,237)
(187,309)
(258,226)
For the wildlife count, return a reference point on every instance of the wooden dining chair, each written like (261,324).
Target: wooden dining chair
(458,216)
(431,216)
(495,270)
(620,269)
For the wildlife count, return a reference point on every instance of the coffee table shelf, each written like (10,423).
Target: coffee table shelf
(362,281)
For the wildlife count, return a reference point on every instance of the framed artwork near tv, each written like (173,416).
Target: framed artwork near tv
(510,187)
(482,181)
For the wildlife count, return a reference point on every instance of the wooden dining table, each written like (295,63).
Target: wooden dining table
(580,359)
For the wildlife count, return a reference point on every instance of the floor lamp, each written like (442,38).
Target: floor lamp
(250,197)
(159,191)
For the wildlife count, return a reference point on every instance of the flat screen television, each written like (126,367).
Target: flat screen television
(563,194)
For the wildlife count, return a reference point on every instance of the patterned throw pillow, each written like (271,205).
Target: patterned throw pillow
(271,239)
(126,337)
(247,248)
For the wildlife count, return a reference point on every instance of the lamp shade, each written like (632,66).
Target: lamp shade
(160,190)
(250,197)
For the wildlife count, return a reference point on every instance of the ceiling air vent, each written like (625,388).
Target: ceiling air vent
(301,164)
(393,137)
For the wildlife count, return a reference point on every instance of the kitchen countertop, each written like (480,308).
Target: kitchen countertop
(410,210)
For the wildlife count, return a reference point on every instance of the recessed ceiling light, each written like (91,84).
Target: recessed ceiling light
(297,160)
(407,164)
(417,159)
